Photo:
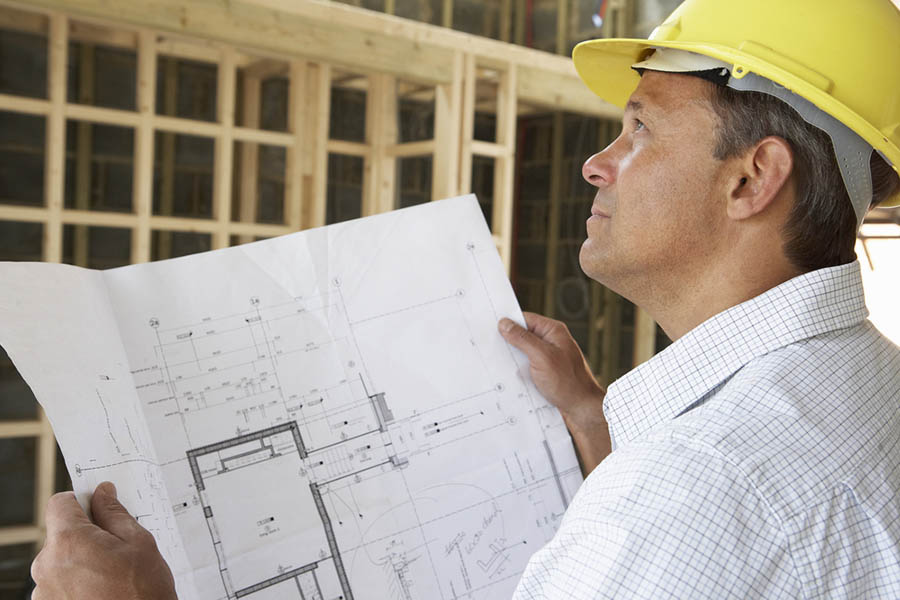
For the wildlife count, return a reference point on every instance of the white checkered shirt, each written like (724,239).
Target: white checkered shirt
(756,457)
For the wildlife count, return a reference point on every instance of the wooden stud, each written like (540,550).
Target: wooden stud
(505,165)
(595,331)
(54,171)
(318,110)
(447,14)
(470,82)
(644,336)
(83,152)
(142,194)
(520,24)
(371,159)
(54,180)
(167,157)
(379,164)
(553,217)
(223,159)
(387,115)
(562,26)
(612,334)
(249,199)
(294,197)
(447,121)
(505,20)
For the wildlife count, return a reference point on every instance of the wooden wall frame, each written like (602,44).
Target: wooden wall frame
(314,38)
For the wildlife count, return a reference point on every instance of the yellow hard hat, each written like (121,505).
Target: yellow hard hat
(843,57)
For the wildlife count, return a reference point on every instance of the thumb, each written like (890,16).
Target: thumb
(64,512)
(109,513)
(533,346)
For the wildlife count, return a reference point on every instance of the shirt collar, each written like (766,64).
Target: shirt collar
(669,383)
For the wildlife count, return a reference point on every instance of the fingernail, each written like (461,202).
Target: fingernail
(506,325)
(108,488)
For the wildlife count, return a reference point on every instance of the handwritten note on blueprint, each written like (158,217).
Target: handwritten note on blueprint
(326,415)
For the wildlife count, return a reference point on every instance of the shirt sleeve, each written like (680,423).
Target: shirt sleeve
(664,519)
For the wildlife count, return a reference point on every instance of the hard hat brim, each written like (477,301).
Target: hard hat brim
(604,65)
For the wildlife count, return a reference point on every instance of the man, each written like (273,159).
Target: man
(759,455)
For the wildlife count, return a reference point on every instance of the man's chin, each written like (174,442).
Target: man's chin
(592,262)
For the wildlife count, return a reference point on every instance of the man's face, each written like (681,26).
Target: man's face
(659,207)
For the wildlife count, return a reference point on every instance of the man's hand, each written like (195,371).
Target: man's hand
(114,559)
(562,375)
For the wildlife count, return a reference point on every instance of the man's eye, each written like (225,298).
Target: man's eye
(637,125)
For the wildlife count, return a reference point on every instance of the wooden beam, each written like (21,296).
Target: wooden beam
(278,28)
(489,149)
(262,136)
(97,114)
(411,149)
(558,90)
(18,429)
(30,106)
(11,536)
(349,37)
(348,148)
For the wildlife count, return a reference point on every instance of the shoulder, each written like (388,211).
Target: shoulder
(671,476)
(666,518)
(797,421)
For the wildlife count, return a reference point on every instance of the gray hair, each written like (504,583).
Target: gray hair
(821,228)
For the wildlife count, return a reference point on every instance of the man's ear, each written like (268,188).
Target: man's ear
(759,176)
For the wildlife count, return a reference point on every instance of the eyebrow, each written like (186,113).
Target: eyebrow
(633,105)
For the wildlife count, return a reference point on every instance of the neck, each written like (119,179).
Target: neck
(680,302)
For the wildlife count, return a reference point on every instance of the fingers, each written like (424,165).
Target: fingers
(64,512)
(523,339)
(110,515)
(541,326)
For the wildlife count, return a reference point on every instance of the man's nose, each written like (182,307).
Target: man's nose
(599,169)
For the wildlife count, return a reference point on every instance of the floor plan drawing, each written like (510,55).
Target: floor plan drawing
(331,415)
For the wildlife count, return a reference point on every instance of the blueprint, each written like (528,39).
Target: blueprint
(328,415)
